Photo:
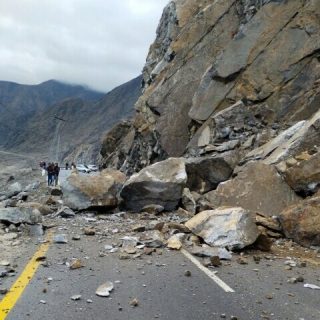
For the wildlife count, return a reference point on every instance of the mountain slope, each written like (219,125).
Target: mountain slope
(85,122)
(18,103)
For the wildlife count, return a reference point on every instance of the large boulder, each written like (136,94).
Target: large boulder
(14,189)
(301,222)
(234,228)
(81,192)
(20,215)
(161,183)
(43,208)
(303,136)
(304,177)
(205,173)
(258,187)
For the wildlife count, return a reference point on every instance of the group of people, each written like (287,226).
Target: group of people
(73,166)
(52,170)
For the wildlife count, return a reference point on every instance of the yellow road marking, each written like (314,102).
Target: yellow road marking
(11,298)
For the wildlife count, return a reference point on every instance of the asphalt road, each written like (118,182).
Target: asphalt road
(157,281)
(160,285)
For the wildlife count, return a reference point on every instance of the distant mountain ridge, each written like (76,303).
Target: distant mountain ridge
(18,103)
(35,112)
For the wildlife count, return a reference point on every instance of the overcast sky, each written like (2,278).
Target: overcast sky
(99,43)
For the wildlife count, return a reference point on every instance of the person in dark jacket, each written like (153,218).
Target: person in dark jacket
(56,171)
(50,171)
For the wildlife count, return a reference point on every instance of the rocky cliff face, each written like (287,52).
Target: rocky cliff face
(208,56)
(232,88)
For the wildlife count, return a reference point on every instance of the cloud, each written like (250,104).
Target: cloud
(100,43)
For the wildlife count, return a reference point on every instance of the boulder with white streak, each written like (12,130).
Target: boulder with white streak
(231,227)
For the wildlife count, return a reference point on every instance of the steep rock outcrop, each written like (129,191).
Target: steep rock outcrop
(211,59)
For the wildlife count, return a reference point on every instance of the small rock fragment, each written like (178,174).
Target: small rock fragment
(60,238)
(134,302)
(76,264)
(187,273)
(3,291)
(105,289)
(4,263)
(41,258)
(124,256)
(242,260)
(174,243)
(138,228)
(89,231)
(76,297)
(311,286)
(148,251)
(256,259)
(215,261)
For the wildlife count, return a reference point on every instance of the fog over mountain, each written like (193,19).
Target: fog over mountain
(98,43)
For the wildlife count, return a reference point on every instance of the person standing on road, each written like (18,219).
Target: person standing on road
(67,166)
(50,171)
(56,171)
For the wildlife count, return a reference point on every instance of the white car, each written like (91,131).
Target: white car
(93,167)
(83,168)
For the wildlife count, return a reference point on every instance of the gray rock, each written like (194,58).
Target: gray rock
(65,212)
(20,215)
(304,177)
(188,202)
(3,272)
(101,190)
(23,196)
(14,189)
(233,228)
(301,222)
(105,289)
(32,186)
(257,187)
(56,191)
(161,184)
(208,252)
(35,230)
(205,173)
(153,209)
(265,150)
(60,238)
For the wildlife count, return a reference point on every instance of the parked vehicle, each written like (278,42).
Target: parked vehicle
(93,167)
(83,168)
